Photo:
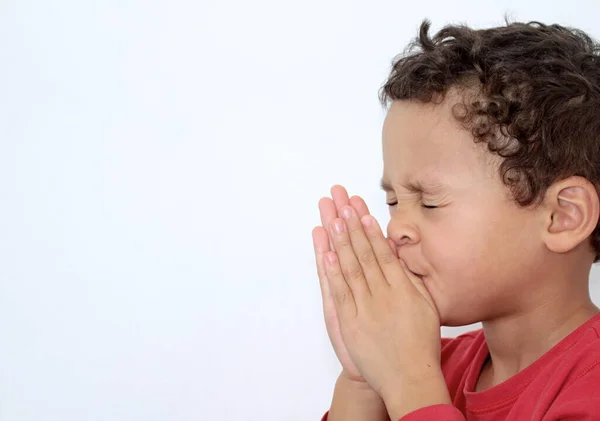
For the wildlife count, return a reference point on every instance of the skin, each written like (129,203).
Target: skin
(476,249)
(353,399)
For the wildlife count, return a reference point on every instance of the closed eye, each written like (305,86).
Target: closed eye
(422,204)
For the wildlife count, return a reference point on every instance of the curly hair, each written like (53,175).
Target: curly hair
(535,98)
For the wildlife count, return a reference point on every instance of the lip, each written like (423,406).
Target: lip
(411,270)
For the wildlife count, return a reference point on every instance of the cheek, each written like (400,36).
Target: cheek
(476,254)
(479,257)
(462,246)
(461,258)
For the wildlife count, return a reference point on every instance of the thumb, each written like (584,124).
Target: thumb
(393,246)
(420,287)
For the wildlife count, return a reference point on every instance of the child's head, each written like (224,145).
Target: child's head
(500,130)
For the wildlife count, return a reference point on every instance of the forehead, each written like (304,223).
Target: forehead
(425,141)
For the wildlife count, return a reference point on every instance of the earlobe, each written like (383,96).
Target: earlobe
(574,210)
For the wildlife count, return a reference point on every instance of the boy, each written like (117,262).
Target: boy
(491,157)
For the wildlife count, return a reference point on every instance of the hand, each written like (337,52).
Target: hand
(387,318)
(322,244)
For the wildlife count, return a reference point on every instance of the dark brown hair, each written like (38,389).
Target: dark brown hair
(535,102)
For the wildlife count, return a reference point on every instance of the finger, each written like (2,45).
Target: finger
(393,246)
(414,279)
(361,208)
(387,258)
(363,250)
(330,207)
(328,213)
(359,204)
(321,246)
(342,294)
(348,261)
(340,197)
(419,285)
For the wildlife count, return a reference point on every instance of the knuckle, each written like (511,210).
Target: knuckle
(353,272)
(372,234)
(343,297)
(387,258)
(353,229)
(367,258)
(343,243)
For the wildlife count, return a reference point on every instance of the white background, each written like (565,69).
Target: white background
(160,167)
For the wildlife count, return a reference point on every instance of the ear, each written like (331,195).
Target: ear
(572,211)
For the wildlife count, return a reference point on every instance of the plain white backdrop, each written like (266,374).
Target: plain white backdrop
(160,167)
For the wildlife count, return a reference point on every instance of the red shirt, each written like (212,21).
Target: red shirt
(562,385)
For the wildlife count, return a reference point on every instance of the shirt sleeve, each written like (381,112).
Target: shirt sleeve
(441,412)
(438,412)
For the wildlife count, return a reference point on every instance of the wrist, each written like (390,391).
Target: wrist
(359,387)
(410,395)
(355,400)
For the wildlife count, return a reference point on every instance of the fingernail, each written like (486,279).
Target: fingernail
(338,227)
(346,213)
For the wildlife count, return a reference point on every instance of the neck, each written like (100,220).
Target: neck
(515,341)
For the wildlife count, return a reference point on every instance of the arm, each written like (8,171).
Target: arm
(424,399)
(355,401)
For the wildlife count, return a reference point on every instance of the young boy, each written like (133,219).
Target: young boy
(491,150)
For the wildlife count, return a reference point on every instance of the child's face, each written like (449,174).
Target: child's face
(477,251)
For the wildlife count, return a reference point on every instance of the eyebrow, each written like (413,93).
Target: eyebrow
(385,186)
(413,186)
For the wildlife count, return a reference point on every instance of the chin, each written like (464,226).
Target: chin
(457,321)
(455,318)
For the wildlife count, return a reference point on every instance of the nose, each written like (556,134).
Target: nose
(402,232)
